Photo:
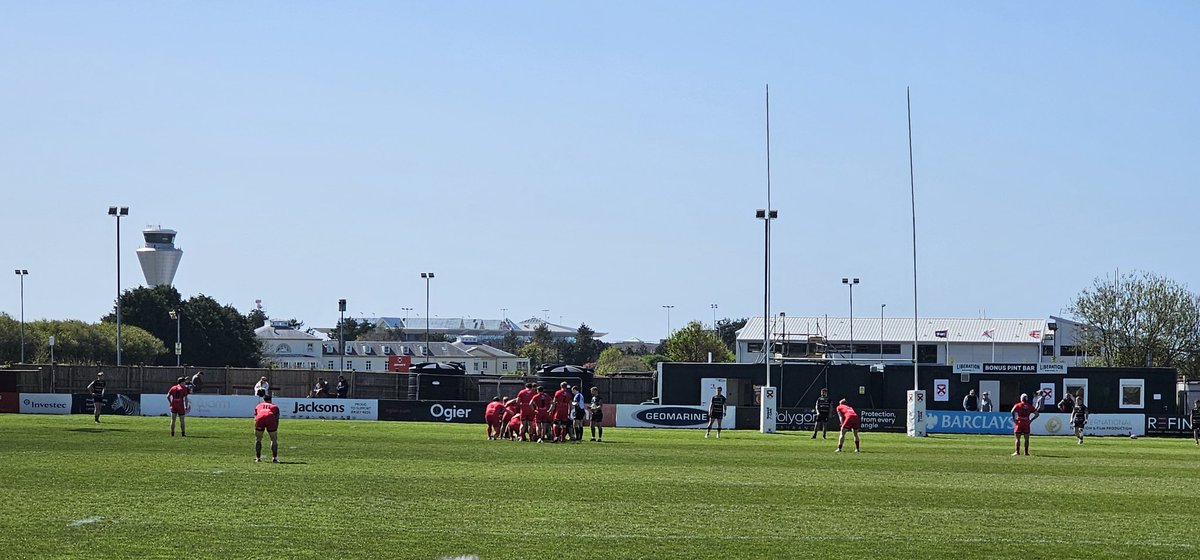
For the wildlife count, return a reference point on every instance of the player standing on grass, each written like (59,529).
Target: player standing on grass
(821,409)
(1196,422)
(561,408)
(266,418)
(177,399)
(524,397)
(849,420)
(1023,414)
(596,414)
(541,405)
(493,415)
(96,388)
(716,411)
(1079,416)
(578,413)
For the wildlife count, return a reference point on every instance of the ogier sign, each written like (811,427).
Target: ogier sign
(334,409)
(654,416)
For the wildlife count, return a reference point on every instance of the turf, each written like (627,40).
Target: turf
(122,489)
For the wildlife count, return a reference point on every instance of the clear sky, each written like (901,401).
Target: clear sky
(598,159)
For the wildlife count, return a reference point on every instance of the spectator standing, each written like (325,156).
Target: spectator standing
(971,402)
(1039,403)
(1067,404)
(320,389)
(343,388)
(263,387)
(985,402)
(198,382)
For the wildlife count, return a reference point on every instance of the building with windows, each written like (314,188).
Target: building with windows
(890,340)
(286,347)
(481,329)
(476,357)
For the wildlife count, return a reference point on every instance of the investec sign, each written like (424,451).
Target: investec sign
(653,416)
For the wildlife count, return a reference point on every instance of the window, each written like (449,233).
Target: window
(503,366)
(1075,387)
(368,367)
(309,348)
(476,365)
(1066,350)
(754,347)
(350,365)
(1048,350)
(484,365)
(1133,393)
(330,365)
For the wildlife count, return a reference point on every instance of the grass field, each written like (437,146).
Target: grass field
(125,489)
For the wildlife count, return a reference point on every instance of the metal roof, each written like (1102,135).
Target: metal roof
(900,329)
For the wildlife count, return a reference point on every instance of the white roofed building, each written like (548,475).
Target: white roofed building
(890,340)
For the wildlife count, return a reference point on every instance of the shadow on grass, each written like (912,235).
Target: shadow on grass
(292,463)
(96,430)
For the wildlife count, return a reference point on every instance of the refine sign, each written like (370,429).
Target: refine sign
(45,403)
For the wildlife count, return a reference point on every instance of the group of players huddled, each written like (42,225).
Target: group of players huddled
(535,415)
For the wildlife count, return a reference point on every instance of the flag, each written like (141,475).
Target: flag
(1035,334)
(988,333)
(941,334)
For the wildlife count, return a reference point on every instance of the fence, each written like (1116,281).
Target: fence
(297,383)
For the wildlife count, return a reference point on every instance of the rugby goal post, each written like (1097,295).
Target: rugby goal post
(916,413)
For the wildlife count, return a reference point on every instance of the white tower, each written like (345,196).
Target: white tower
(159,258)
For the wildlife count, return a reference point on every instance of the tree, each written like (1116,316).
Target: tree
(586,348)
(538,353)
(257,317)
(727,330)
(1139,320)
(510,343)
(77,342)
(613,360)
(218,335)
(351,328)
(382,334)
(693,343)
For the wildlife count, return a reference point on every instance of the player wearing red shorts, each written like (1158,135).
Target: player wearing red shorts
(266,419)
(541,407)
(524,397)
(561,412)
(849,418)
(493,415)
(511,410)
(514,426)
(1023,415)
(177,399)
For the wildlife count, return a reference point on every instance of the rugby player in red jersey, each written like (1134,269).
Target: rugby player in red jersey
(541,407)
(514,426)
(524,396)
(266,419)
(493,415)
(849,418)
(561,412)
(1023,415)
(511,410)
(177,399)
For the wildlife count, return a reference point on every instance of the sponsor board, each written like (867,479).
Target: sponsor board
(1046,424)
(10,403)
(206,406)
(44,403)
(871,420)
(119,404)
(1169,426)
(976,367)
(332,409)
(669,416)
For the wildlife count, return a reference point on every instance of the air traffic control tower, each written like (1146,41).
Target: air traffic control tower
(159,257)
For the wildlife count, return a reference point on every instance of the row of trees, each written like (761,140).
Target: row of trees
(76,342)
(1139,319)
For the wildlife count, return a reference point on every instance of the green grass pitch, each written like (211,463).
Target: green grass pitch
(124,489)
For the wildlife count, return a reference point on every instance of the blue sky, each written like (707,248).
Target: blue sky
(598,159)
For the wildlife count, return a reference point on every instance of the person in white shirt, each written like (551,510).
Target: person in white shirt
(262,388)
